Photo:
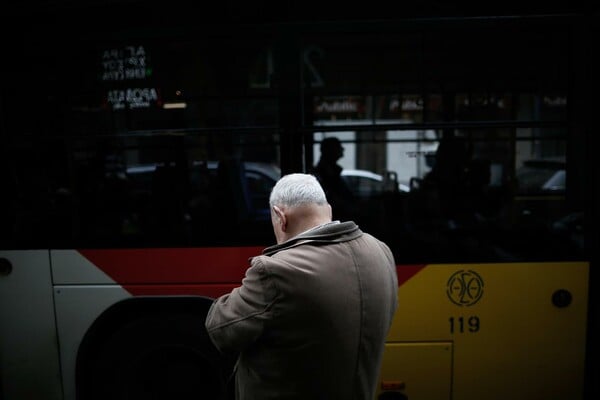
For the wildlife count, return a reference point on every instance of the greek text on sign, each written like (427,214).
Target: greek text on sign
(132,98)
(127,63)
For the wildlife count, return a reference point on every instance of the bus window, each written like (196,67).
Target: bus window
(168,190)
(446,174)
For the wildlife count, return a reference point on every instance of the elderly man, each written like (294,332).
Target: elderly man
(311,316)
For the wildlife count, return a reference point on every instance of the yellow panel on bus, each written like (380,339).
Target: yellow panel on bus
(517,330)
(417,370)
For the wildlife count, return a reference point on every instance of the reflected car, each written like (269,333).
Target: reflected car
(542,176)
(364,183)
(259,178)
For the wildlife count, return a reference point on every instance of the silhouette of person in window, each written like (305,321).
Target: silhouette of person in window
(447,179)
(329,174)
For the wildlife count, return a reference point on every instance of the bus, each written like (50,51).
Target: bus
(137,160)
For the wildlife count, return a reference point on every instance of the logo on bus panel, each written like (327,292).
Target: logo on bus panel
(464,288)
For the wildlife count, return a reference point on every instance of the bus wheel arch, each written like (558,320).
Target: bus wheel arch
(152,347)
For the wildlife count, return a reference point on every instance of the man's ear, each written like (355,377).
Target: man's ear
(281,219)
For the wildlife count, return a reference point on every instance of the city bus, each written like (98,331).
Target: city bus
(137,161)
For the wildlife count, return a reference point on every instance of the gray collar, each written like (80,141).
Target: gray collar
(330,232)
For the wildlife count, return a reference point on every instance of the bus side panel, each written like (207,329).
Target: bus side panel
(77,307)
(83,294)
(28,341)
(518,330)
(417,370)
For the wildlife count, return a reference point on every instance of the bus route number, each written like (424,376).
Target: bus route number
(464,324)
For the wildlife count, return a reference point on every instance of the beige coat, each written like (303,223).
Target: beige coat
(311,317)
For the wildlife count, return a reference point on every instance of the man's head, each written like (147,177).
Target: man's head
(297,203)
(331,149)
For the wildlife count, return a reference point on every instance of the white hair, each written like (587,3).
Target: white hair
(297,189)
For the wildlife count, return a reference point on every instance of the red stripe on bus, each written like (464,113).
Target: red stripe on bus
(138,269)
(405,272)
(173,265)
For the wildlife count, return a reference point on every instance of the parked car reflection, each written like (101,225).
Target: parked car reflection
(542,176)
(364,183)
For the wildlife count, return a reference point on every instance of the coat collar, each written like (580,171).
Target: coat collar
(332,232)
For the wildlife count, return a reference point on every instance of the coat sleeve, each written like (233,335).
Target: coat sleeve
(237,319)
